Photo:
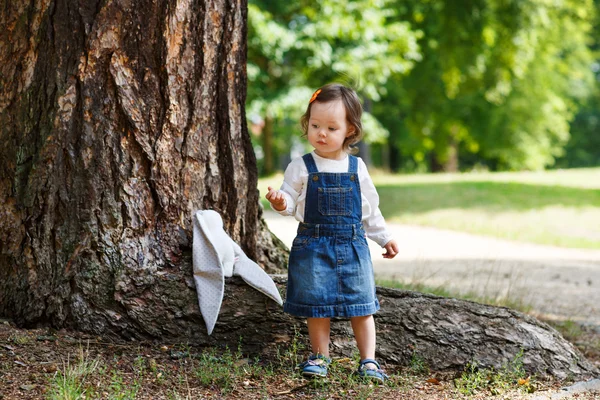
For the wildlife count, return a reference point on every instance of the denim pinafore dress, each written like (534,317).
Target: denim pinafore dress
(330,273)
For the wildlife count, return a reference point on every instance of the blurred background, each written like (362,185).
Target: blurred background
(461,85)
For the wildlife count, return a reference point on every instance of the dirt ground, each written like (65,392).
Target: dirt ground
(36,363)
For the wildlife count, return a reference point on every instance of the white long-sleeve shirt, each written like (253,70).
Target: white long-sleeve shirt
(294,191)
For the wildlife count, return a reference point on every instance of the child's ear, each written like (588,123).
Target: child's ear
(351,130)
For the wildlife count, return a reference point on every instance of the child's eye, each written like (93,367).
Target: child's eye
(315,125)
(332,129)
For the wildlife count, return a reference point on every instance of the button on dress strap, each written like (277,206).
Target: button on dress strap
(309,161)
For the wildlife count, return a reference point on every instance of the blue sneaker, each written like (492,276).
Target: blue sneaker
(315,366)
(371,373)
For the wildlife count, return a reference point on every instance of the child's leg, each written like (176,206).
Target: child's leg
(318,332)
(364,332)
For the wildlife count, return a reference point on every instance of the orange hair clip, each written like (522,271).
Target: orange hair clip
(314,96)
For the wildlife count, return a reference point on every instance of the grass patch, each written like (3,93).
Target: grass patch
(70,381)
(560,208)
(512,375)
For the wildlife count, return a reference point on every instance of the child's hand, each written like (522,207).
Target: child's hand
(391,249)
(276,199)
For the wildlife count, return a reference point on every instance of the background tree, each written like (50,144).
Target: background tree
(295,47)
(583,148)
(118,119)
(496,84)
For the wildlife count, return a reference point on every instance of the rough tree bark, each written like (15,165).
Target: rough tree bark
(119,118)
(446,334)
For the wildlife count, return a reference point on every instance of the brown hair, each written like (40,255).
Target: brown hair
(349,98)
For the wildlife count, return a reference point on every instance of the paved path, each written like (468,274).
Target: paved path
(558,283)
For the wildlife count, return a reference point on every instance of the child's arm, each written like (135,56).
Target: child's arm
(285,199)
(374,223)
(276,199)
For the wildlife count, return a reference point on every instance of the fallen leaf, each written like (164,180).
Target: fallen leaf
(50,368)
(522,381)
(433,381)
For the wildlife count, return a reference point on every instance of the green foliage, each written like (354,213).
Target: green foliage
(497,82)
(583,148)
(486,83)
(295,47)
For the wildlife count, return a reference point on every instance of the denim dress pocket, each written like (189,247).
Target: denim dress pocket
(335,200)
(300,243)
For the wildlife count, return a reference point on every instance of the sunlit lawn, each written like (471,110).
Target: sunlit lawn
(560,208)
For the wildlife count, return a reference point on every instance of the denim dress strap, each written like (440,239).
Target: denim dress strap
(353,164)
(311,166)
(309,161)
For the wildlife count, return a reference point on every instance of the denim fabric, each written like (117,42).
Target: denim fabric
(330,273)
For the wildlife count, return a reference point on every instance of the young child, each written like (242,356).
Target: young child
(331,194)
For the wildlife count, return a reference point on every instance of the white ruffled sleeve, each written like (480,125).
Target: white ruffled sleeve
(372,218)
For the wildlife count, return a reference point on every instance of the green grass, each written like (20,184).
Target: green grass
(560,208)
(69,383)
(475,379)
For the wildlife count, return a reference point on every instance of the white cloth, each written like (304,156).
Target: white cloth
(294,191)
(216,256)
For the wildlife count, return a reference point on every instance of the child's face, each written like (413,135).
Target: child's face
(328,128)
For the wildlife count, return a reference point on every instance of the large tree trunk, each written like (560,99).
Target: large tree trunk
(445,334)
(119,118)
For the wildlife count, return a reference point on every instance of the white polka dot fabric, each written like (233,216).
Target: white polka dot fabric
(216,256)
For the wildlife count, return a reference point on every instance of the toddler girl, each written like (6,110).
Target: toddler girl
(331,194)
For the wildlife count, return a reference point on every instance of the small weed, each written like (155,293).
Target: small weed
(121,390)
(418,365)
(512,375)
(365,392)
(217,370)
(20,339)
(69,382)
(291,356)
(571,330)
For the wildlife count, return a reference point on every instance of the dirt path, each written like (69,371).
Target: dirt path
(558,283)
